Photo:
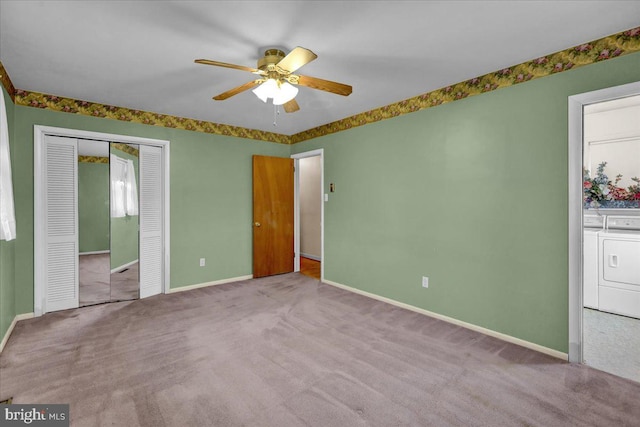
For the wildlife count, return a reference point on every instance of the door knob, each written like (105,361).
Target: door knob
(257,224)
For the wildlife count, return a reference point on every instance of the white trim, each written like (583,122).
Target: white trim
(575,152)
(38,139)
(167,219)
(313,257)
(123,266)
(296,201)
(95,252)
(471,326)
(15,320)
(207,284)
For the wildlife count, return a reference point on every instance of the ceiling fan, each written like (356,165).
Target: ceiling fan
(277,79)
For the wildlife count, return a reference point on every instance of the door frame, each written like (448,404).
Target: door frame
(576,146)
(296,206)
(39,133)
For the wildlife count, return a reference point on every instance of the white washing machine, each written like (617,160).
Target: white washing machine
(619,272)
(593,225)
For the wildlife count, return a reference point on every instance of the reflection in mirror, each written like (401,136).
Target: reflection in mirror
(93,222)
(124,222)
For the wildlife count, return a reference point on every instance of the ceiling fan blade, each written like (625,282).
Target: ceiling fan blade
(291,106)
(298,57)
(237,90)
(326,85)
(226,65)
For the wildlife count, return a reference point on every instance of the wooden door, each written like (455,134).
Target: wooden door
(273,216)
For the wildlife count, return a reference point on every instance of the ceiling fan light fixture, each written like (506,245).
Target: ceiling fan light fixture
(280,92)
(266,90)
(285,94)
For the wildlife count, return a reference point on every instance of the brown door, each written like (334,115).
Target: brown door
(272,216)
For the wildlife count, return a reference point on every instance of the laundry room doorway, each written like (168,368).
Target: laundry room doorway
(604,230)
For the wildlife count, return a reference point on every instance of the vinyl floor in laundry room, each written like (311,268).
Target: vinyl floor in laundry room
(612,343)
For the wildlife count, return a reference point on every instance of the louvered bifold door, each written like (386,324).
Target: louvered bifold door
(61,223)
(151,221)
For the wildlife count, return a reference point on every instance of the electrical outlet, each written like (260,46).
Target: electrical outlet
(425,282)
(202,262)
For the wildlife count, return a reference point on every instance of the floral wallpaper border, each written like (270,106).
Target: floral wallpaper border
(126,148)
(93,159)
(603,49)
(588,53)
(7,83)
(93,109)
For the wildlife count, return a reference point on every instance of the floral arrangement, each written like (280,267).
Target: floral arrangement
(600,191)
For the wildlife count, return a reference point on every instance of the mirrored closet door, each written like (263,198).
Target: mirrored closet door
(108,240)
(99,210)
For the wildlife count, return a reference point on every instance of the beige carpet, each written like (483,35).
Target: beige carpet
(98,285)
(94,279)
(291,351)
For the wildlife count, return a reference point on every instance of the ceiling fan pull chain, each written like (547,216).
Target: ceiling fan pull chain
(275,115)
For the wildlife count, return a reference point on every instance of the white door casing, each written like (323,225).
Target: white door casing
(576,105)
(296,189)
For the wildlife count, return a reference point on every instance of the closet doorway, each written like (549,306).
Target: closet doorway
(101,212)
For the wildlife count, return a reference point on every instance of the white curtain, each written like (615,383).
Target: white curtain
(124,188)
(7,209)
(131,190)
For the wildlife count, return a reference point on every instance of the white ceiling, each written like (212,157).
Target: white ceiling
(139,54)
(93,148)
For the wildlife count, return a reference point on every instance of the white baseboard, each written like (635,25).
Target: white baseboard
(499,335)
(214,283)
(15,320)
(95,252)
(313,257)
(122,267)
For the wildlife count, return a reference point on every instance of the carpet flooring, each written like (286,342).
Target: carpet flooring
(98,285)
(291,351)
(94,279)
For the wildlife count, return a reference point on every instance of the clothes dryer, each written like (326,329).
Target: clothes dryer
(619,270)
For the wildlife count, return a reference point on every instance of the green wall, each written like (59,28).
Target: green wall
(472,194)
(124,231)
(93,207)
(210,197)
(7,249)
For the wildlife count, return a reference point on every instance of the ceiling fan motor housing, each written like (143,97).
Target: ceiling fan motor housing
(270,59)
